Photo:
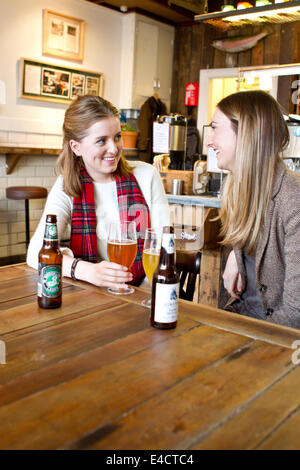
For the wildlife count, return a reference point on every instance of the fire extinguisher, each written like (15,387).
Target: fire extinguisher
(191,95)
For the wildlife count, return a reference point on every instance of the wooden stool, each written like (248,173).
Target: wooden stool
(26,192)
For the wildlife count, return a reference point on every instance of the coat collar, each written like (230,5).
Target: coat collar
(278,177)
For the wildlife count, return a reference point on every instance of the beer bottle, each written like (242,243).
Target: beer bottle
(50,267)
(165,285)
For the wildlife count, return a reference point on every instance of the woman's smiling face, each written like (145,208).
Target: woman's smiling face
(222,140)
(101,148)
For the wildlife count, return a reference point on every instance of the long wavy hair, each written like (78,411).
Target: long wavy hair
(262,135)
(79,117)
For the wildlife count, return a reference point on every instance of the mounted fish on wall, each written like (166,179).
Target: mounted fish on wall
(239,43)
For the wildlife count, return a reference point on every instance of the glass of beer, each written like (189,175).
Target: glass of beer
(122,249)
(151,252)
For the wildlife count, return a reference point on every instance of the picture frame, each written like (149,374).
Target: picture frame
(49,82)
(63,36)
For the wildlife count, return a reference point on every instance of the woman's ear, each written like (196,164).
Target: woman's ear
(75,147)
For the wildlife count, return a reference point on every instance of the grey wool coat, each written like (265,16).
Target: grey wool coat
(277,258)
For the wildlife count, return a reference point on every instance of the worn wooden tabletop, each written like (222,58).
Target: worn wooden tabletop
(93,374)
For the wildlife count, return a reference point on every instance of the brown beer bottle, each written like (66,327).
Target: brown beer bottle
(165,285)
(50,267)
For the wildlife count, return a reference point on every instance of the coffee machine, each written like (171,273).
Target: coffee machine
(169,137)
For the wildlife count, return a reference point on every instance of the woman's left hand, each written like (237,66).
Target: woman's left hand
(232,278)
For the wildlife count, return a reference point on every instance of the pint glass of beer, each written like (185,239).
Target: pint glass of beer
(122,249)
(151,252)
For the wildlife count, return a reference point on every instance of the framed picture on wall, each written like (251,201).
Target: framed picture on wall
(62,84)
(63,36)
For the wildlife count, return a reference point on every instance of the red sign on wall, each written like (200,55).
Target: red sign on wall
(191,94)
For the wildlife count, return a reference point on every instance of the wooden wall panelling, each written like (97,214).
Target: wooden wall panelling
(286,46)
(219,59)
(175,77)
(284,93)
(197,46)
(185,71)
(296,33)
(257,54)
(181,67)
(209,35)
(272,46)
(193,52)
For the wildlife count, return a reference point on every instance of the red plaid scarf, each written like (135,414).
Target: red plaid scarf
(132,206)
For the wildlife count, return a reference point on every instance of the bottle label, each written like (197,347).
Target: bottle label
(168,243)
(51,232)
(166,302)
(49,280)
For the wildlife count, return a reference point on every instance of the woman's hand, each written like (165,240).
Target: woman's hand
(232,278)
(103,274)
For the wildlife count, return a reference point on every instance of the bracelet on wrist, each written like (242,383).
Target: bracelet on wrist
(73,267)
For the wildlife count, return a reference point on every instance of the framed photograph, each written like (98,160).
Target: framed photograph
(78,85)
(91,85)
(49,82)
(63,36)
(55,82)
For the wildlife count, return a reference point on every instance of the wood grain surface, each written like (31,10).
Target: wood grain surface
(94,374)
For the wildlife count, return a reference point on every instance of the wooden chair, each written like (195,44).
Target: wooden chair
(210,270)
(188,266)
(196,264)
(26,193)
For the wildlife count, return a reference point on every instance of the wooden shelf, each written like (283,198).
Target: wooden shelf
(274,13)
(13,154)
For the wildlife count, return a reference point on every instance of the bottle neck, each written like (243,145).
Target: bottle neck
(167,252)
(51,235)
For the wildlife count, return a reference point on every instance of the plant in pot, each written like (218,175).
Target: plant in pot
(129,136)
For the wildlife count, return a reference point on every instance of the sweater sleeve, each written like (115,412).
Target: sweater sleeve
(152,188)
(160,213)
(57,203)
(289,312)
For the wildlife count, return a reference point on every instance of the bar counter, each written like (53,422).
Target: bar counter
(94,374)
(194,200)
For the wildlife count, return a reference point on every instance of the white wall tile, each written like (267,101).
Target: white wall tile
(45,171)
(16,227)
(3,229)
(3,182)
(3,137)
(16,205)
(3,251)
(17,138)
(13,180)
(24,171)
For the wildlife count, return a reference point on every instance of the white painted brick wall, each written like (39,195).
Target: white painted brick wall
(32,170)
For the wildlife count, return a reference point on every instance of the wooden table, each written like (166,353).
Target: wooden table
(94,374)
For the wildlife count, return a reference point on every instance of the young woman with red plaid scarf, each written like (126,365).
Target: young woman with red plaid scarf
(97,186)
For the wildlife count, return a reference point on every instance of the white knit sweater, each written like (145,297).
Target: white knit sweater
(59,203)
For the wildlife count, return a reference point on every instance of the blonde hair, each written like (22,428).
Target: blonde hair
(262,134)
(79,117)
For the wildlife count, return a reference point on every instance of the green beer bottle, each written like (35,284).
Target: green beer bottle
(50,267)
